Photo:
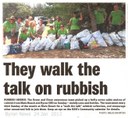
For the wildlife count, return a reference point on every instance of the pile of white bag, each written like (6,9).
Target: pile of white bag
(103,39)
(96,38)
(6,49)
(72,42)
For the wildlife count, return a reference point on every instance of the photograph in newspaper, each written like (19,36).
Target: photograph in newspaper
(64,30)
(63,59)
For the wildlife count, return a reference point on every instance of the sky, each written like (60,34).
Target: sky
(32,4)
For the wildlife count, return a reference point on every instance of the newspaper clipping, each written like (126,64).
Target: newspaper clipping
(64,59)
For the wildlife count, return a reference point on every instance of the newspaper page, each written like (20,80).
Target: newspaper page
(63,59)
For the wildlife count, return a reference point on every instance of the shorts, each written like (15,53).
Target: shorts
(16,34)
(115,28)
(101,27)
(8,35)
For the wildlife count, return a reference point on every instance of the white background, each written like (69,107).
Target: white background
(113,73)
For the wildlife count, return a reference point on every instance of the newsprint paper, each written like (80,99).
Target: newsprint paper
(77,75)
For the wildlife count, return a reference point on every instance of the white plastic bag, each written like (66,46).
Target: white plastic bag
(118,37)
(107,39)
(33,44)
(115,39)
(74,44)
(74,38)
(66,41)
(59,44)
(98,37)
(83,33)
(48,44)
(54,44)
(122,33)
(6,49)
(86,39)
(26,45)
(62,38)
(41,44)
(122,40)
(69,36)
(52,37)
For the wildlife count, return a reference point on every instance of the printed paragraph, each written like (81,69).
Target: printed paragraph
(102,106)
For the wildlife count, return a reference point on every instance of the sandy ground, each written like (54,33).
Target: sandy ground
(109,52)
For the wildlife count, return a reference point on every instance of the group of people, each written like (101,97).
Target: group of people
(18,30)
(115,21)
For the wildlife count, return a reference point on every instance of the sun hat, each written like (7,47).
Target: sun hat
(12,18)
(51,25)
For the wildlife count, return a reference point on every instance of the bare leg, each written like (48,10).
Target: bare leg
(4,40)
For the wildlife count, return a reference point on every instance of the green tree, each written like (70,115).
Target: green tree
(64,10)
(16,9)
(91,15)
(38,10)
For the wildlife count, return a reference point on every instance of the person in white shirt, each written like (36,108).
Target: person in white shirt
(19,24)
(40,28)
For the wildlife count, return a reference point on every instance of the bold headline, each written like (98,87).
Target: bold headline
(64,69)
